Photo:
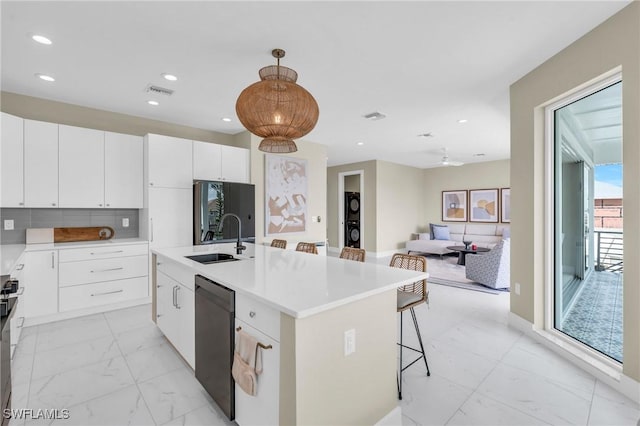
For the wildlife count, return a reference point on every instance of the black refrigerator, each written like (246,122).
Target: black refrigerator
(211,200)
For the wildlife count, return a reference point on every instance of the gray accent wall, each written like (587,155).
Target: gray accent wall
(63,218)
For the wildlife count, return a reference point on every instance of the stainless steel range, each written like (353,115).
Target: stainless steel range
(8,305)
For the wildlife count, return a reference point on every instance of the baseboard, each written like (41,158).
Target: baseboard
(333,250)
(601,371)
(28,322)
(393,418)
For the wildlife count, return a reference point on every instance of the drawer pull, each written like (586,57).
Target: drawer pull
(20,291)
(20,267)
(21,323)
(252,314)
(106,252)
(108,292)
(107,270)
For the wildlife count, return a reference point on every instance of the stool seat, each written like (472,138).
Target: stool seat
(406,299)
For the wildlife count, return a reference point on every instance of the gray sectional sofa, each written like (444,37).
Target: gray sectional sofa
(484,235)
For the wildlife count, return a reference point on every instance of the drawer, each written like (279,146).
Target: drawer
(180,273)
(93,271)
(106,252)
(85,296)
(258,315)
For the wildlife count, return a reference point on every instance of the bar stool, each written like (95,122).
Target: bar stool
(307,248)
(410,296)
(282,244)
(351,253)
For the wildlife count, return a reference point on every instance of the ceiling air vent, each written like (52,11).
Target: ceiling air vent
(158,90)
(373,116)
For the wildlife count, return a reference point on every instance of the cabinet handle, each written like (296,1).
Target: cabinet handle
(252,314)
(158,315)
(151,233)
(108,292)
(21,204)
(20,291)
(150,183)
(53,260)
(177,289)
(108,205)
(174,295)
(106,252)
(107,270)
(21,323)
(20,267)
(53,204)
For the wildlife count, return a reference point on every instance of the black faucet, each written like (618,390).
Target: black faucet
(239,247)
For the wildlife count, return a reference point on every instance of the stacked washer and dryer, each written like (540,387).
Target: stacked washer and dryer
(352,219)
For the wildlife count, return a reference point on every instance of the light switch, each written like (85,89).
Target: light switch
(8,225)
(125,222)
(349,342)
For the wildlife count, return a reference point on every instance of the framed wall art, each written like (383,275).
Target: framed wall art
(454,206)
(285,195)
(483,205)
(505,205)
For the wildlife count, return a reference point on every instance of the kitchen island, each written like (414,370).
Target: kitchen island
(302,305)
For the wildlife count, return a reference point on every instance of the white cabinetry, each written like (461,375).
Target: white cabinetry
(41,283)
(262,322)
(17,321)
(40,164)
(175,302)
(12,153)
(220,162)
(81,167)
(170,217)
(123,171)
(169,162)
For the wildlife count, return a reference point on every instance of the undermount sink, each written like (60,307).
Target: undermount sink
(212,258)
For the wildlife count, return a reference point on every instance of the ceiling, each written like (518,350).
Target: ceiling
(425,65)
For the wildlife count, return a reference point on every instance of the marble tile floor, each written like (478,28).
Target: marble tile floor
(117,369)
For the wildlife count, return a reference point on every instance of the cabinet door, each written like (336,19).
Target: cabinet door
(123,170)
(40,164)
(12,153)
(206,161)
(81,162)
(170,217)
(166,312)
(264,407)
(235,164)
(185,305)
(41,283)
(170,162)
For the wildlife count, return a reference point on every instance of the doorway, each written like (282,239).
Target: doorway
(350,209)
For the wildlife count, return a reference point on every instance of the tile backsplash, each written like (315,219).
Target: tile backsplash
(60,218)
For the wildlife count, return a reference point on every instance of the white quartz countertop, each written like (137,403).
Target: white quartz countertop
(10,255)
(297,284)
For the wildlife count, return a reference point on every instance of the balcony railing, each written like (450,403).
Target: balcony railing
(609,250)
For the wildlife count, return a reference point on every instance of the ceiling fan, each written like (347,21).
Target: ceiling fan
(446,161)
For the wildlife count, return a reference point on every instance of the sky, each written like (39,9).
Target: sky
(609,173)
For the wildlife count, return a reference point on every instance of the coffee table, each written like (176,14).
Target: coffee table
(463,251)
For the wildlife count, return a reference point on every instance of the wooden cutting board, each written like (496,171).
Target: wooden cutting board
(93,233)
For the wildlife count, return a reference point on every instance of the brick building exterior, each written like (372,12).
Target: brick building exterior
(608,213)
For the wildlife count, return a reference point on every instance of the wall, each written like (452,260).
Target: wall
(75,115)
(400,204)
(368,208)
(608,213)
(352,183)
(60,218)
(613,45)
(491,174)
(316,155)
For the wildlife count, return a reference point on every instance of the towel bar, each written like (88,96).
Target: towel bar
(263,346)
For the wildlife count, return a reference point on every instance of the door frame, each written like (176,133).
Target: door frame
(341,177)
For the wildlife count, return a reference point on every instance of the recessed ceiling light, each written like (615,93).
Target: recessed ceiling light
(226,119)
(45,77)
(462,120)
(41,39)
(154,103)
(359,143)
(170,77)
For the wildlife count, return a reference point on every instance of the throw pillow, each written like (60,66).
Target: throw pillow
(441,233)
(506,233)
(424,236)
(432,226)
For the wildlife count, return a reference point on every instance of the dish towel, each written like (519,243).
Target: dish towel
(247,363)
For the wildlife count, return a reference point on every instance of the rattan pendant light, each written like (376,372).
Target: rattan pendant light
(276,108)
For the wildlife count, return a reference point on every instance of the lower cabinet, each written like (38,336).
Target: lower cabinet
(175,304)
(41,283)
(264,407)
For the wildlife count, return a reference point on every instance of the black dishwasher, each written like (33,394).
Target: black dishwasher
(215,315)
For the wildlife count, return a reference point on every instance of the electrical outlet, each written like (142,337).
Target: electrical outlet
(8,225)
(518,289)
(349,342)
(125,222)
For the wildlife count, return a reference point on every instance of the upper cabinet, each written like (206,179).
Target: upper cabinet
(12,154)
(40,164)
(123,171)
(168,162)
(81,172)
(220,162)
